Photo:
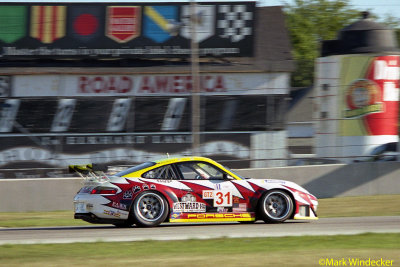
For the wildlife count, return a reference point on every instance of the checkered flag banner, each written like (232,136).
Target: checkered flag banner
(234,22)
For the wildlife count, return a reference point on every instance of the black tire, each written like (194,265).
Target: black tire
(149,209)
(275,206)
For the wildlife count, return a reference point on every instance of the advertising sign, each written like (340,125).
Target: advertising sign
(149,85)
(369,95)
(130,30)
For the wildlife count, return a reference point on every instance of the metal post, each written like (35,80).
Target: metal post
(194,48)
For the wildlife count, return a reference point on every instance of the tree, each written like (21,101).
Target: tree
(310,22)
(393,23)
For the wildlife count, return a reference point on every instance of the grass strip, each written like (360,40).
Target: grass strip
(273,251)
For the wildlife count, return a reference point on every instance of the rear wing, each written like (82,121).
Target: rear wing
(90,172)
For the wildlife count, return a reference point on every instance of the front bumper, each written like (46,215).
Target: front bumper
(305,212)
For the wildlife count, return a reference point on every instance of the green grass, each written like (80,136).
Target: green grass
(382,205)
(283,251)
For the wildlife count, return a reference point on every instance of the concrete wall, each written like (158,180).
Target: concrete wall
(338,180)
(324,181)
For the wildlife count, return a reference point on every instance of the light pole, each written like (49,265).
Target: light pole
(194,56)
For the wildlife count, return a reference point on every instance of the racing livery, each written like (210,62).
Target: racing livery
(189,189)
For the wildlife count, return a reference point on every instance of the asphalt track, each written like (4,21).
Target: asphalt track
(174,231)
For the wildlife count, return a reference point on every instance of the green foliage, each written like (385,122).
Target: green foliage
(310,22)
(394,23)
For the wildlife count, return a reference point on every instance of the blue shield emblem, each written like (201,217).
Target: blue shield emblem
(159,22)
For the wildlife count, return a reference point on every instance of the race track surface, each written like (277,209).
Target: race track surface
(174,231)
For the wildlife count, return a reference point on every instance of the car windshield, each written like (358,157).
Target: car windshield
(136,168)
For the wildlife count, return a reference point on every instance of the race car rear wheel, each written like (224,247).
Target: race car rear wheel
(149,209)
(275,206)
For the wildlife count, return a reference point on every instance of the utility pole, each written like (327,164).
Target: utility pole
(195,72)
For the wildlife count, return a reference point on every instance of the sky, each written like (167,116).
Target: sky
(379,7)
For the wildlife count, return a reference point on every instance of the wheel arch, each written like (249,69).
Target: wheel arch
(163,195)
(278,189)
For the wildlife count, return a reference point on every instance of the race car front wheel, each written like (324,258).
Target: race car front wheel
(149,209)
(275,206)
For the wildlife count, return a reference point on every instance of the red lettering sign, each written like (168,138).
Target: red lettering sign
(105,85)
(180,84)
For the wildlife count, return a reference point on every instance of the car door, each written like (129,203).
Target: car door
(209,185)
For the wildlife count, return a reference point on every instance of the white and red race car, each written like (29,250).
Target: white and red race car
(189,189)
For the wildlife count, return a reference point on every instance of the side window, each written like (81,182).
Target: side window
(200,170)
(211,170)
(188,172)
(164,172)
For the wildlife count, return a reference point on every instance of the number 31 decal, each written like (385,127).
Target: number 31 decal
(222,199)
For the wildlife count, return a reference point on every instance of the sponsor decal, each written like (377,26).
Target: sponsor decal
(236,200)
(369,96)
(221,210)
(136,189)
(189,204)
(159,22)
(275,181)
(152,186)
(164,181)
(112,213)
(84,24)
(118,205)
(145,187)
(48,23)
(127,194)
(188,198)
(362,98)
(219,215)
(176,215)
(189,207)
(12,23)
(123,23)
(242,207)
(208,194)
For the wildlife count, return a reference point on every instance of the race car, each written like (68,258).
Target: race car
(187,189)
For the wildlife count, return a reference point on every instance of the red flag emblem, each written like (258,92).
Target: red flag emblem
(123,23)
(48,23)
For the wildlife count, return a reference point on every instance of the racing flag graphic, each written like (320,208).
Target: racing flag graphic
(159,22)
(85,22)
(123,23)
(48,23)
(234,22)
(12,23)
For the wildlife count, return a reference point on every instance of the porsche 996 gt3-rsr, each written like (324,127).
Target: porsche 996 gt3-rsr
(189,189)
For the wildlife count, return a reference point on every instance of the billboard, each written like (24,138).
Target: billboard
(369,95)
(143,84)
(130,30)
